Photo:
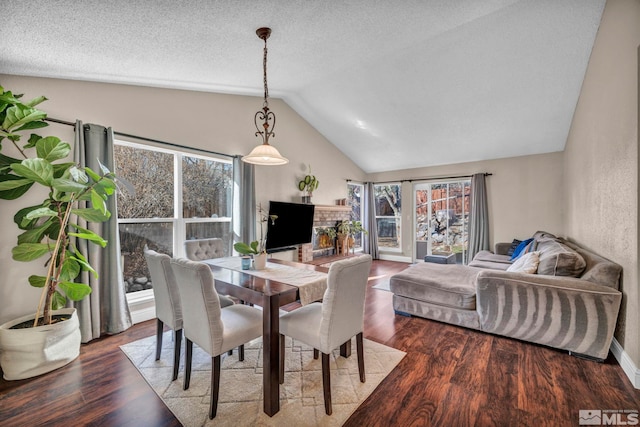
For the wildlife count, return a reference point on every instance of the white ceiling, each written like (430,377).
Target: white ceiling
(393,84)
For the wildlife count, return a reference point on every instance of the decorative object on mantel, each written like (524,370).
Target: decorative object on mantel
(257,248)
(265,154)
(50,337)
(308,184)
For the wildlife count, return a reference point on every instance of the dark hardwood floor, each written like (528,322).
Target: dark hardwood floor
(450,377)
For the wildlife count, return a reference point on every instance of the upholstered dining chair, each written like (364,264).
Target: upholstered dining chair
(201,249)
(213,329)
(167,301)
(326,326)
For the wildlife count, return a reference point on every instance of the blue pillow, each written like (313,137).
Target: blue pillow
(520,248)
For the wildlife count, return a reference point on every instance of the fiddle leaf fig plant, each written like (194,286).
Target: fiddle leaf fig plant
(50,226)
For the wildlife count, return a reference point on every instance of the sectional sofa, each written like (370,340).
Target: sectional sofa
(569,301)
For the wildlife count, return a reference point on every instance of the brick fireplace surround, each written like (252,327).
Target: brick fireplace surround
(324,216)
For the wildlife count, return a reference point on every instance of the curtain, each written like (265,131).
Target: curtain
(370,244)
(479,216)
(244,201)
(105,310)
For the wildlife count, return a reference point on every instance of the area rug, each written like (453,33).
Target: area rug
(383,285)
(240,401)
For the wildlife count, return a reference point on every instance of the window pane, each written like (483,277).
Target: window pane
(206,188)
(388,210)
(354,197)
(151,175)
(205,230)
(133,237)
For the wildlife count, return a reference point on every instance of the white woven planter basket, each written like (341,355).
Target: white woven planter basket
(26,353)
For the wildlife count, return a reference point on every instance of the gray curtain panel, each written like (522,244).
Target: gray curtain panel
(370,240)
(244,201)
(479,216)
(105,310)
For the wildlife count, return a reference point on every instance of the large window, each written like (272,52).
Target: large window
(355,193)
(178,197)
(388,215)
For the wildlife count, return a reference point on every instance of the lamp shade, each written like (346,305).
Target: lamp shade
(265,154)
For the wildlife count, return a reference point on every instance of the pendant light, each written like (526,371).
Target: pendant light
(265,154)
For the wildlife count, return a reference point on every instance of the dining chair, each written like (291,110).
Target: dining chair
(213,329)
(167,301)
(201,249)
(327,325)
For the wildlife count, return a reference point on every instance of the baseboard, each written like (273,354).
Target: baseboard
(629,368)
(141,307)
(398,258)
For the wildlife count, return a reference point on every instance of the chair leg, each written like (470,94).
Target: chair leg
(326,383)
(360,349)
(177,338)
(281,371)
(187,363)
(316,353)
(159,329)
(241,352)
(215,386)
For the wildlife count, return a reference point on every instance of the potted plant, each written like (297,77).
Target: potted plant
(347,230)
(308,184)
(49,338)
(257,249)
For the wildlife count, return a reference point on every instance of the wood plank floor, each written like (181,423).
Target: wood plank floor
(450,377)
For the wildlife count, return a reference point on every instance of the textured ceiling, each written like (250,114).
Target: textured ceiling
(393,84)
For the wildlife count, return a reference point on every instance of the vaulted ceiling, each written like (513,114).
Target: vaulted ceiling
(393,84)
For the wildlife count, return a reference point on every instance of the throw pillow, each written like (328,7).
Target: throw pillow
(520,248)
(514,245)
(527,263)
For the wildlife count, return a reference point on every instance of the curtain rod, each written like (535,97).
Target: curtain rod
(142,138)
(423,179)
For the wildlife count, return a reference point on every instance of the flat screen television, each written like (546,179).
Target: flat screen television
(294,225)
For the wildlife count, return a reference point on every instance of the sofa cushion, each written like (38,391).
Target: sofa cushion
(492,257)
(514,245)
(523,247)
(489,265)
(527,263)
(558,259)
(448,285)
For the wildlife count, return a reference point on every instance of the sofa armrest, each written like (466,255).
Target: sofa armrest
(561,312)
(502,248)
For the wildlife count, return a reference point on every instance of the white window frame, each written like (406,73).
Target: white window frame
(178,221)
(397,218)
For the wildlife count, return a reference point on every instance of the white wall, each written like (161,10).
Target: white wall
(217,122)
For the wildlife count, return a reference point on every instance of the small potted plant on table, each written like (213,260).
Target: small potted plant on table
(257,249)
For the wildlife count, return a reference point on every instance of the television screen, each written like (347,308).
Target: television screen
(294,225)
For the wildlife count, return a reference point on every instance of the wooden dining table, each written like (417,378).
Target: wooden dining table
(270,295)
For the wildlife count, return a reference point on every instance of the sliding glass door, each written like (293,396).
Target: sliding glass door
(442,219)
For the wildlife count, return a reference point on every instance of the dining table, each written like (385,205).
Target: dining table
(270,295)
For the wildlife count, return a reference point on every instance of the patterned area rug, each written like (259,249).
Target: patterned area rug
(240,402)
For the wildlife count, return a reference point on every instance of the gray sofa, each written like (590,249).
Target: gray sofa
(570,303)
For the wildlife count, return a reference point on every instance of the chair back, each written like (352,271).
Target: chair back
(165,290)
(198,250)
(343,301)
(202,320)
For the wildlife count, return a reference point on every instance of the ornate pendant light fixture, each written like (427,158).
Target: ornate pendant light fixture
(265,154)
